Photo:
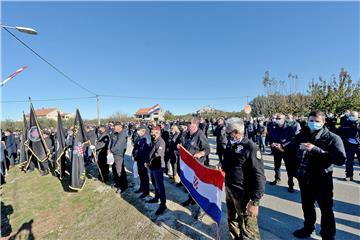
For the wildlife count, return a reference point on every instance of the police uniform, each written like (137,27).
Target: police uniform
(314,173)
(244,181)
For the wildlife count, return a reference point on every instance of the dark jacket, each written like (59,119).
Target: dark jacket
(196,143)
(350,133)
(141,150)
(157,153)
(282,135)
(173,142)
(118,143)
(10,144)
(102,145)
(328,150)
(244,168)
(220,134)
(91,135)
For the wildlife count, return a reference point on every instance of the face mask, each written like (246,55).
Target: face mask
(314,126)
(277,121)
(353,118)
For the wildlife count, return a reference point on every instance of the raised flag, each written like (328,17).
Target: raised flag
(35,141)
(154,109)
(13,75)
(78,154)
(204,184)
(60,148)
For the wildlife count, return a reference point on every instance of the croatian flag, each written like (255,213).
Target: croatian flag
(204,184)
(154,108)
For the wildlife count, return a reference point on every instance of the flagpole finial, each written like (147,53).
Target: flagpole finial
(29,99)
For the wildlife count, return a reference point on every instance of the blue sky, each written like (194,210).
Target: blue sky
(172,50)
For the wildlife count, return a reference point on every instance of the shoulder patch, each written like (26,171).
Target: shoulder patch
(258,155)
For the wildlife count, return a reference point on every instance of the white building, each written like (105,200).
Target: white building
(154,113)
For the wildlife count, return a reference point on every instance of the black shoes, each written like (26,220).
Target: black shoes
(199,215)
(153,200)
(291,189)
(160,210)
(188,202)
(303,233)
(144,195)
(179,184)
(275,182)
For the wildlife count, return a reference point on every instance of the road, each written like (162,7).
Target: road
(280,212)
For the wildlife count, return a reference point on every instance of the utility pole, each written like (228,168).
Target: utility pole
(97,109)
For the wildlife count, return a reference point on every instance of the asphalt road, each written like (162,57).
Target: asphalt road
(280,211)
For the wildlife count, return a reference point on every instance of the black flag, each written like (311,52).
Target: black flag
(23,138)
(60,148)
(79,141)
(35,141)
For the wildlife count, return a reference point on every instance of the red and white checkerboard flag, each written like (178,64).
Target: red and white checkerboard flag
(13,75)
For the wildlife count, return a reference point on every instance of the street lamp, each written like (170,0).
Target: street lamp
(21,29)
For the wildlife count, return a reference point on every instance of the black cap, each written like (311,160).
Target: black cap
(142,127)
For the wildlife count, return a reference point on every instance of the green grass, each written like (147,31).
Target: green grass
(96,212)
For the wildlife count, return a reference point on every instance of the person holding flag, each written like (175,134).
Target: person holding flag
(244,181)
(60,149)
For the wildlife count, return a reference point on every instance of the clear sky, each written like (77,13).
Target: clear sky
(171,50)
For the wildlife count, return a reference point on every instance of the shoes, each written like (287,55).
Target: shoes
(123,190)
(348,179)
(144,195)
(153,200)
(138,191)
(303,233)
(179,184)
(291,189)
(160,210)
(275,182)
(188,202)
(199,215)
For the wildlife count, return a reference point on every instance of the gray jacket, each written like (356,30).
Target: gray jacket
(118,142)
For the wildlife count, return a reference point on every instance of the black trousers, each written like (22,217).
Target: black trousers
(144,177)
(118,169)
(278,157)
(220,150)
(320,191)
(104,167)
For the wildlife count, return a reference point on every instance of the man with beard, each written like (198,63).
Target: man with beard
(101,147)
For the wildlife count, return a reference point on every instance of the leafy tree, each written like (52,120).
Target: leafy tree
(169,116)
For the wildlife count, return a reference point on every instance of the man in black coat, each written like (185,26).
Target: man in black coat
(221,138)
(118,144)
(156,165)
(101,147)
(317,150)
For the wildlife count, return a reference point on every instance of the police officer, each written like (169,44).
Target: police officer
(140,154)
(197,144)
(244,182)
(156,164)
(281,133)
(118,144)
(101,147)
(221,138)
(316,149)
(350,134)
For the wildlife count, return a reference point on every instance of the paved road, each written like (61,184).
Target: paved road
(280,212)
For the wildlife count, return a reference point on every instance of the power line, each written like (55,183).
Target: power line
(169,98)
(46,100)
(50,64)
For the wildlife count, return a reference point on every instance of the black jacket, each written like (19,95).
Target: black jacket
(173,142)
(282,135)
(118,143)
(196,143)
(350,133)
(328,150)
(157,153)
(102,145)
(244,168)
(141,150)
(220,134)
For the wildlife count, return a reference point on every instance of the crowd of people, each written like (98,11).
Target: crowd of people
(309,147)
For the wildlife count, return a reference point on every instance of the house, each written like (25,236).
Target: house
(51,113)
(154,113)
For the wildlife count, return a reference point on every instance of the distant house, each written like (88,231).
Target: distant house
(50,113)
(154,113)
(206,109)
